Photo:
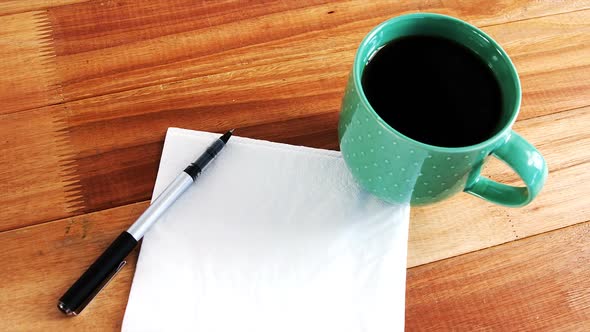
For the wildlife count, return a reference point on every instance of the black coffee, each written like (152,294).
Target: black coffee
(434,90)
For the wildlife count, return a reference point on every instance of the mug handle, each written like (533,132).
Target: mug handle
(526,161)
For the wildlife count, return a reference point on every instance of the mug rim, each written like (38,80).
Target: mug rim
(357,81)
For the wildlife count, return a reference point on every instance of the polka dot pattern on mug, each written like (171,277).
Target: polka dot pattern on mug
(390,167)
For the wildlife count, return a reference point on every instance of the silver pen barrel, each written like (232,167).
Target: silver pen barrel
(182,182)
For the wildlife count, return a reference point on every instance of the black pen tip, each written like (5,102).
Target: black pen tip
(225,137)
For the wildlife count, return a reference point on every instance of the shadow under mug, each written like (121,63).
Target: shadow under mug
(399,169)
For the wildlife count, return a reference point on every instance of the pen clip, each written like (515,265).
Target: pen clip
(98,289)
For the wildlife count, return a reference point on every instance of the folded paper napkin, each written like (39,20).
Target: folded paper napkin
(272,237)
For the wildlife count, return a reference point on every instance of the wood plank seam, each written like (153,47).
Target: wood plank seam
(137,207)
(67,162)
(48,32)
(139,203)
(68,168)
(75,197)
(543,280)
(427,240)
(77,201)
(535,17)
(247,46)
(551,231)
(492,302)
(253,45)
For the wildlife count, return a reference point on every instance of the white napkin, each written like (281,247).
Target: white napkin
(272,237)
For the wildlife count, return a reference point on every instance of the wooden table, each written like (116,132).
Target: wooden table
(88,89)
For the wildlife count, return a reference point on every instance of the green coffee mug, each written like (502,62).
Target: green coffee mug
(399,169)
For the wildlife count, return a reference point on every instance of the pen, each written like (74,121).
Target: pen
(112,259)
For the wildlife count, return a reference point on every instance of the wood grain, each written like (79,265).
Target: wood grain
(109,46)
(535,283)
(89,88)
(552,56)
(19,6)
(28,76)
(541,283)
(38,181)
(288,91)
(172,46)
(465,223)
(41,262)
